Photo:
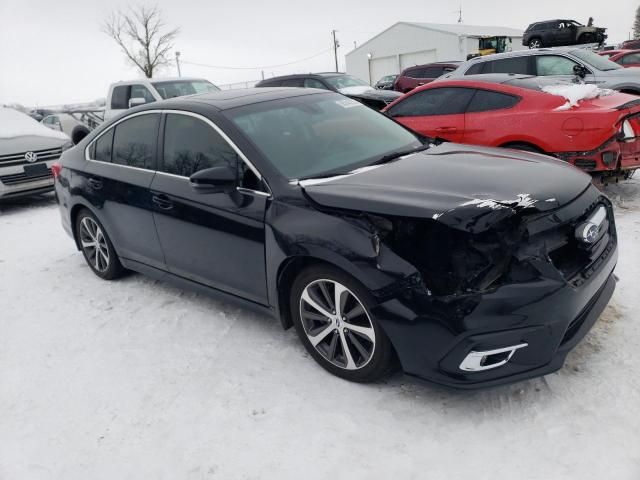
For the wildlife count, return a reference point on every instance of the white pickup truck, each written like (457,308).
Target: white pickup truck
(124,95)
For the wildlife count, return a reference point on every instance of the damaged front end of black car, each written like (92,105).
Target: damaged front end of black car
(485,282)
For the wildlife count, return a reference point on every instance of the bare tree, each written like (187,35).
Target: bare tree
(142,35)
(636,24)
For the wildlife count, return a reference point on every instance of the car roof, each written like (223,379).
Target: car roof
(452,62)
(158,80)
(227,99)
(521,53)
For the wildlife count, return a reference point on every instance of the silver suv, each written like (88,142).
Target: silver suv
(562,62)
(27,151)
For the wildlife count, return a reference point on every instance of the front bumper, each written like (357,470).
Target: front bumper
(15,183)
(544,317)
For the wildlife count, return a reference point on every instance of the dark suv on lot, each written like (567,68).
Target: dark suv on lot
(556,33)
(467,266)
(337,82)
(413,77)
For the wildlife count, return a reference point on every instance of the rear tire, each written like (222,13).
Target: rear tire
(341,336)
(96,247)
(535,43)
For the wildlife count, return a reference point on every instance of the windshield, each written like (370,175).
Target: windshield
(597,61)
(346,81)
(180,88)
(319,135)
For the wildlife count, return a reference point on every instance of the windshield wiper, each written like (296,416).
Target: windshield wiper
(401,153)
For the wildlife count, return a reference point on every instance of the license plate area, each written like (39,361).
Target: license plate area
(37,170)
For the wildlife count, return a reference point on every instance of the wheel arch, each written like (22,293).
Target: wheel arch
(516,143)
(288,271)
(73,216)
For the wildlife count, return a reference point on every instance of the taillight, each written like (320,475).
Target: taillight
(56,168)
(626,130)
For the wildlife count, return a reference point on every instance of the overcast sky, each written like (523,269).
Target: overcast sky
(53,52)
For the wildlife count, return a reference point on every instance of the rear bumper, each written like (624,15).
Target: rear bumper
(611,157)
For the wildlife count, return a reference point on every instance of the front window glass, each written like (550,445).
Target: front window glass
(190,145)
(320,134)
(135,140)
(508,65)
(554,65)
(595,60)
(180,88)
(346,81)
(140,91)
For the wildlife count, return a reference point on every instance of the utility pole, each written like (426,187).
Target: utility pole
(178,63)
(336,44)
(460,13)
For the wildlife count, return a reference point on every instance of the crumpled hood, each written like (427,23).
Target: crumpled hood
(465,187)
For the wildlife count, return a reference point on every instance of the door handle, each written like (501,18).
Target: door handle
(446,129)
(162,201)
(95,183)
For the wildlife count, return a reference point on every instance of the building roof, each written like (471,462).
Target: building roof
(459,29)
(469,30)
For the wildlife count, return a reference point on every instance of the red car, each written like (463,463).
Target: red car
(610,53)
(627,58)
(503,110)
(418,75)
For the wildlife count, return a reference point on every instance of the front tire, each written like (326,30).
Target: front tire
(331,314)
(96,247)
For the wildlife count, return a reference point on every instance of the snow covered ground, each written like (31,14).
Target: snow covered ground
(137,379)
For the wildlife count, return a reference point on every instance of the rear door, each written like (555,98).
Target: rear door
(121,166)
(436,112)
(216,239)
(488,116)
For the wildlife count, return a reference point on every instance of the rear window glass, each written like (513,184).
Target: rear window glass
(120,97)
(485,100)
(103,147)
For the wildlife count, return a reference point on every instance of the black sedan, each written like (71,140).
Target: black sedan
(466,266)
(342,83)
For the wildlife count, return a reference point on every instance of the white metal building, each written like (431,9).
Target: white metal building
(405,44)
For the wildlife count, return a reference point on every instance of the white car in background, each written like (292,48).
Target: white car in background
(27,151)
(68,124)
(124,95)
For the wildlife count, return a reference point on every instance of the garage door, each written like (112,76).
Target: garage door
(379,67)
(417,58)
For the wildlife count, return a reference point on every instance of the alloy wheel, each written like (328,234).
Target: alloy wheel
(535,44)
(94,244)
(337,324)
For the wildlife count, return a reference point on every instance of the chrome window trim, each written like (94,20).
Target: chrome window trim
(239,189)
(189,114)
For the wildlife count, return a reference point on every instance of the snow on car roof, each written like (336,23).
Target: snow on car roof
(17,124)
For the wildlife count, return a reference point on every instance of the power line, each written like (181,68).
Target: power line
(220,67)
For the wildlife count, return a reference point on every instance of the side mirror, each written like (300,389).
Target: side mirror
(580,71)
(136,102)
(215,180)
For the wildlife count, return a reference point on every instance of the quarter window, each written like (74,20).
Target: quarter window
(103,147)
(436,101)
(554,65)
(134,141)
(292,82)
(485,100)
(191,145)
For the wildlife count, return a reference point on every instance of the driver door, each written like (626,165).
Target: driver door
(216,239)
